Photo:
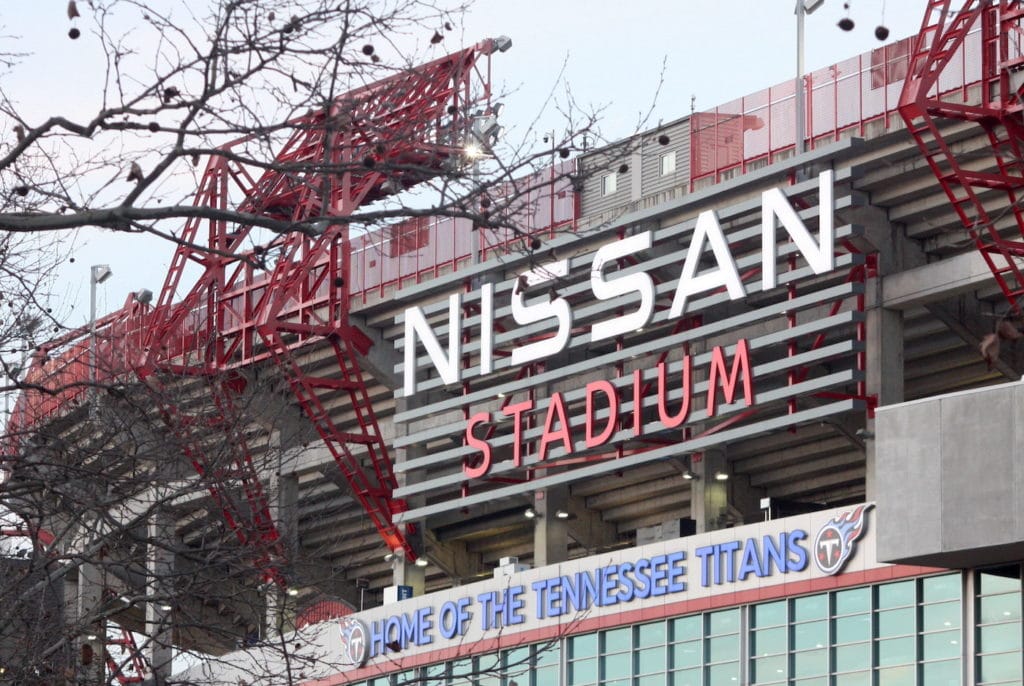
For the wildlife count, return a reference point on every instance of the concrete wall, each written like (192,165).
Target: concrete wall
(950,481)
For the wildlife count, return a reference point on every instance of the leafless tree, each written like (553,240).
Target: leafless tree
(107,523)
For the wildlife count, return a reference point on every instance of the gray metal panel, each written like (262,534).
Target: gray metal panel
(768,425)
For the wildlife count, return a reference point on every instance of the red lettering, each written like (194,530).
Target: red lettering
(516,412)
(556,411)
(671,422)
(638,406)
(740,363)
(475,471)
(608,389)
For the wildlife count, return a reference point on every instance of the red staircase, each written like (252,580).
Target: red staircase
(969,182)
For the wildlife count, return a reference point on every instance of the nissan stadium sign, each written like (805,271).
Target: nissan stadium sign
(551,368)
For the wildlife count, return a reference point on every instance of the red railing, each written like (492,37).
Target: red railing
(856,97)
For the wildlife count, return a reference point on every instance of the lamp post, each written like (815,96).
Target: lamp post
(803,7)
(98,274)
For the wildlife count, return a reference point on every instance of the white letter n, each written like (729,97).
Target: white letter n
(447,366)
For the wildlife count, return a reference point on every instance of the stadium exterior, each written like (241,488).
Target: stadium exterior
(721,419)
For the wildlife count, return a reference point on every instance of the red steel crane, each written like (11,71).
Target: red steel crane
(985,187)
(265,303)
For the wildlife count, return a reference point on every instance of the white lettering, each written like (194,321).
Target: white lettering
(447,366)
(708,229)
(548,306)
(606,289)
(820,256)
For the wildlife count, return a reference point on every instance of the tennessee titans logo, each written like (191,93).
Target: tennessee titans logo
(354,644)
(836,541)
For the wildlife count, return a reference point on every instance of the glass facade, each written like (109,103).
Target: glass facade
(902,633)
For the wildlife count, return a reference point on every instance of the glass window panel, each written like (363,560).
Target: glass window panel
(461,669)
(617,639)
(653,634)
(819,681)
(810,663)
(851,658)
(686,677)
(615,666)
(723,648)
(944,644)
(897,594)
(547,653)
(649,680)
(617,682)
(407,677)
(651,660)
(940,616)
(686,628)
(769,641)
(770,614)
(999,637)
(810,635)
(896,676)
(765,670)
(854,679)
(437,674)
(488,668)
(517,659)
(853,600)
(999,580)
(896,622)
(724,674)
(723,622)
(582,646)
(999,667)
(686,654)
(583,671)
(544,676)
(941,673)
(1000,608)
(852,629)
(895,651)
(810,607)
(946,587)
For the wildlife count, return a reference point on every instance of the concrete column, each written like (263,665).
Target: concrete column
(409,574)
(710,497)
(406,573)
(159,609)
(283,496)
(550,533)
(91,634)
(884,374)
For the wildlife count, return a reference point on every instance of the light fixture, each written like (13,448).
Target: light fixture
(473,151)
(501,394)
(101,272)
(531,513)
(721,476)
(689,475)
(292,591)
(422,562)
(91,637)
(562,514)
(143,296)
(166,607)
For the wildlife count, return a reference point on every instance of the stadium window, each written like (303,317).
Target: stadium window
(668,163)
(609,184)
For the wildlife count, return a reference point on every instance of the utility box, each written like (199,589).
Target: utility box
(507,566)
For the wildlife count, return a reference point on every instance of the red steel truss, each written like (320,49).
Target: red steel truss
(369,143)
(985,191)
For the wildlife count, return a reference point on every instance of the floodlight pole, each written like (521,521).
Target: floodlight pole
(803,8)
(98,273)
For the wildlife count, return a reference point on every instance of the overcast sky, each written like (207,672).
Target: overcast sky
(610,54)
